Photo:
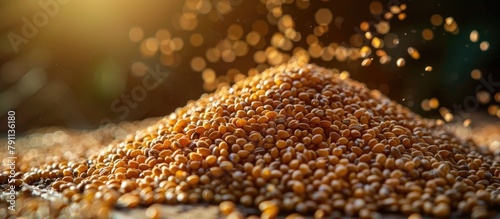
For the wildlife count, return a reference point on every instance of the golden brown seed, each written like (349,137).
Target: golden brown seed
(269,209)
(378,148)
(132,173)
(337,152)
(246,200)
(415,216)
(211,160)
(235,215)
(214,135)
(271,114)
(153,212)
(181,159)
(128,200)
(195,157)
(193,180)
(226,165)
(298,187)
(133,164)
(286,158)
(203,151)
(442,199)
(395,153)
(441,210)
(118,164)
(480,212)
(316,139)
(67,172)
(365,158)
(57,184)
(135,153)
(241,122)
(283,134)
(143,166)
(365,213)
(165,153)
(66,179)
(280,144)
(226,207)
(409,166)
(341,171)
(216,171)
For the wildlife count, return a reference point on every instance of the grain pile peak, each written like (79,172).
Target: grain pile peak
(295,138)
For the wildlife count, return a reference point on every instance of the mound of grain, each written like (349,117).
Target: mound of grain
(296,138)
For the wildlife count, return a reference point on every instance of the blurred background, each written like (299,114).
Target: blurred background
(82,64)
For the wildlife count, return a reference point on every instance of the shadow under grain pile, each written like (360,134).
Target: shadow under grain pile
(297,138)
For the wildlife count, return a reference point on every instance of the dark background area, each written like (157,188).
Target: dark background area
(78,64)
